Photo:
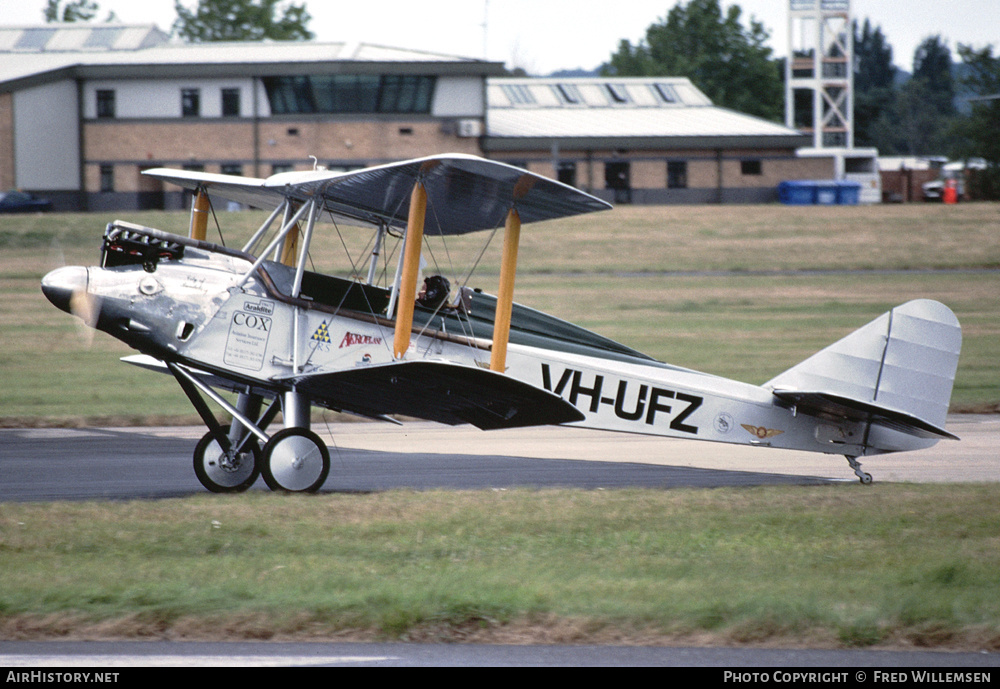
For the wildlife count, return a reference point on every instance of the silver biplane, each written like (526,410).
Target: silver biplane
(258,323)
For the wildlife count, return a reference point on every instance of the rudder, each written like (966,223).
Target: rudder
(898,370)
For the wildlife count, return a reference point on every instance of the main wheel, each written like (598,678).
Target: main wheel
(223,472)
(295,460)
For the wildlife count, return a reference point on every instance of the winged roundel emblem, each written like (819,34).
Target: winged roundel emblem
(761,432)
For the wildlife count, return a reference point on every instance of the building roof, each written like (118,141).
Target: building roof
(61,38)
(526,113)
(37,54)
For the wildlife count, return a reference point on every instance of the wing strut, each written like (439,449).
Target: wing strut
(505,295)
(411,268)
(199,215)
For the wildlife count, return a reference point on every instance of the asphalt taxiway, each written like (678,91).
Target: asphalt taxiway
(137,463)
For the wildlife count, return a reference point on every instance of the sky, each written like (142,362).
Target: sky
(543,36)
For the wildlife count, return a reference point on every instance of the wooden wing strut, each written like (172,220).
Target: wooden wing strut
(411,269)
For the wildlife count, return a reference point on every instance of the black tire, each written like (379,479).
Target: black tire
(219,476)
(295,460)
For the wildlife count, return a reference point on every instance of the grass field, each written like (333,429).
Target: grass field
(739,291)
(892,565)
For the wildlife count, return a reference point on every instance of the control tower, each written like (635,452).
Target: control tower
(819,79)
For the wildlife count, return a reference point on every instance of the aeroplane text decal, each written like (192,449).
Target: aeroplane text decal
(351,339)
(644,407)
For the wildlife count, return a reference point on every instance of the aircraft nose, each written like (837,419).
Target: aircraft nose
(62,284)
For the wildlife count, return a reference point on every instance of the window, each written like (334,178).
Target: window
(103,38)
(666,93)
(230,102)
(232,169)
(618,93)
(107,178)
(566,173)
(751,167)
(347,93)
(401,93)
(617,174)
(190,103)
(569,94)
(677,174)
(105,104)
(518,94)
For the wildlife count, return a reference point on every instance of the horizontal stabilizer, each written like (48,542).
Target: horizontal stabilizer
(853,410)
(897,371)
(438,391)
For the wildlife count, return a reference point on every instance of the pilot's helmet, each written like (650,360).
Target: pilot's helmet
(435,292)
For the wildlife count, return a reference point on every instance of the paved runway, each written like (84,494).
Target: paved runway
(73,464)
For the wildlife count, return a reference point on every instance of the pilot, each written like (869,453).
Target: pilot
(435,292)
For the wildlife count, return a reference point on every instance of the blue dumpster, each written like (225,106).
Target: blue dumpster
(797,193)
(826,193)
(819,192)
(848,193)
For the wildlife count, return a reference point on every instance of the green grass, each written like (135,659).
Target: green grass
(838,566)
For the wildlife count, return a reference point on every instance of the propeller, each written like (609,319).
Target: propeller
(66,288)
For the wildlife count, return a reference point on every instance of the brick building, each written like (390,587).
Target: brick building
(85,108)
(643,140)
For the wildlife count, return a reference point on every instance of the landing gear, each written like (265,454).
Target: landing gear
(295,460)
(226,471)
(864,477)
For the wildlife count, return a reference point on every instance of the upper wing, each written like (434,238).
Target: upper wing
(438,391)
(464,193)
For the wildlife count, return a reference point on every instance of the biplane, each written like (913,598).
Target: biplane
(257,324)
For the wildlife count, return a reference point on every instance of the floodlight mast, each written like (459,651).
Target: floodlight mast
(820,71)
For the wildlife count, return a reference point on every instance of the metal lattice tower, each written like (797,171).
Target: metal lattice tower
(819,79)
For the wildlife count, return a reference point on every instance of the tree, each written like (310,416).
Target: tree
(979,133)
(57,11)
(932,65)
(874,81)
(242,20)
(731,64)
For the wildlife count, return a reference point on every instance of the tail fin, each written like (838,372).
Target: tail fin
(897,371)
